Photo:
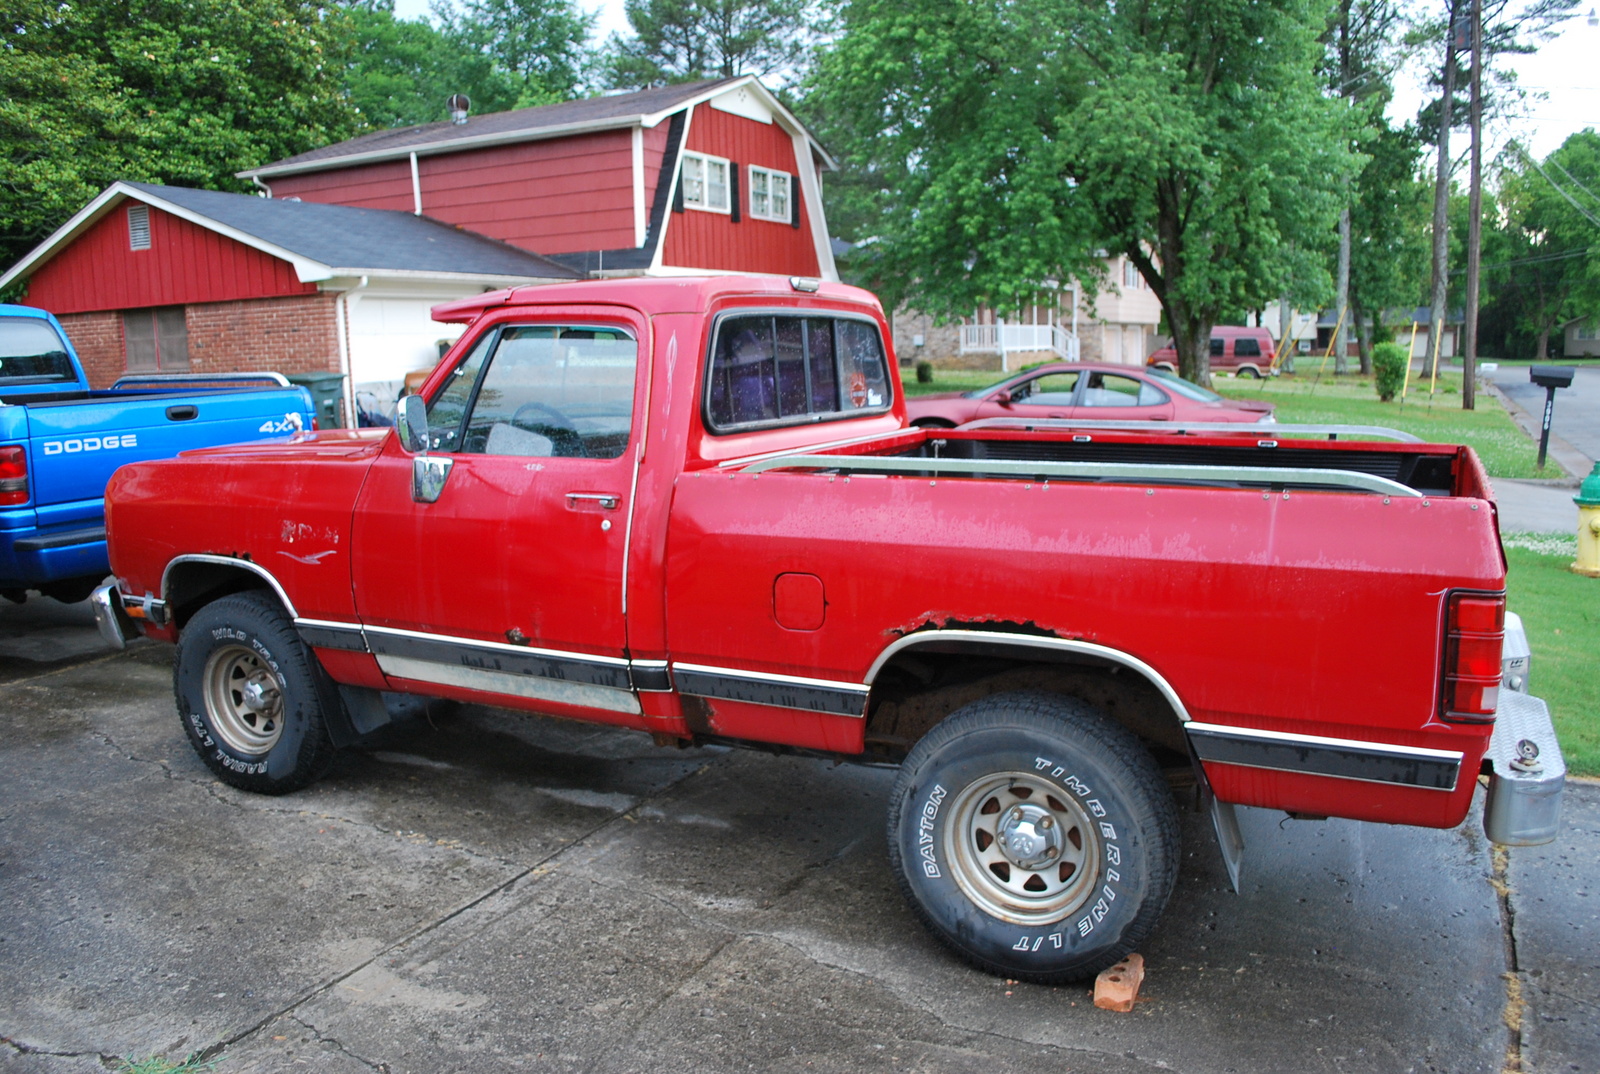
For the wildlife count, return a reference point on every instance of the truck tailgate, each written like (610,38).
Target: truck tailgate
(74,446)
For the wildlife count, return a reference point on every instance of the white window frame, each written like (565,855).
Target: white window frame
(1586,332)
(771,175)
(704,162)
(1130,274)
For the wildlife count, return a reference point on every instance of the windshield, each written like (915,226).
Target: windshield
(32,353)
(1185,388)
(978,393)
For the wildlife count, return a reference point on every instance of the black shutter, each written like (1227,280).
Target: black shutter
(733,190)
(794,201)
(677,190)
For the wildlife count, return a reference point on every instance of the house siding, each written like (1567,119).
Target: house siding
(697,239)
(295,334)
(560,195)
(185,263)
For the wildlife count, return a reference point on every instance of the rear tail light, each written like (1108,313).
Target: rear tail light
(1475,630)
(13,476)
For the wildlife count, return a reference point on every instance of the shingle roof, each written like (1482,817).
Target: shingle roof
(342,237)
(502,126)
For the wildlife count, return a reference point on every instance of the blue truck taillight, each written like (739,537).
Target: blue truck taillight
(13,476)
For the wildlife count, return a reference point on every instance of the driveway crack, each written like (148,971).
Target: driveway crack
(323,1038)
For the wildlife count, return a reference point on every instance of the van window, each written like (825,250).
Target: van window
(774,370)
(1246,347)
(1216,346)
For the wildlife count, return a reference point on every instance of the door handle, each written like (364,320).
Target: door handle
(604,500)
(182,413)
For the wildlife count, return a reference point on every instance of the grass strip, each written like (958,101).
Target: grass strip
(1561,612)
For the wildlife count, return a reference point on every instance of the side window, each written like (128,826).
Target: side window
(1216,347)
(1053,389)
(1245,347)
(540,391)
(774,369)
(1111,389)
(450,405)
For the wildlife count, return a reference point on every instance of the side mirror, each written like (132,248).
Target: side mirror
(412,421)
(1005,398)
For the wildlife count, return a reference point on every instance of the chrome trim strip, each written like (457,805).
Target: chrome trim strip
(1253,427)
(517,660)
(1335,758)
(227,561)
(967,639)
(781,691)
(1117,471)
(325,634)
(537,688)
(745,460)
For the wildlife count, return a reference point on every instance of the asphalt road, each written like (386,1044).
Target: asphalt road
(480,891)
(1576,416)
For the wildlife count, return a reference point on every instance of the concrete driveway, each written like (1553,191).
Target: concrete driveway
(480,891)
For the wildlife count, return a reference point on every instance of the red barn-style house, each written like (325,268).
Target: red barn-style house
(337,264)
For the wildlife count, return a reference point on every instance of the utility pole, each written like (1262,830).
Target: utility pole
(1474,214)
(1441,204)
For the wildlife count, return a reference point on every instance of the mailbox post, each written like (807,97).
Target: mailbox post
(1549,377)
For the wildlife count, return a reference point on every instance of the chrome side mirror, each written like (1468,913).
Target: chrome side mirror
(428,472)
(412,421)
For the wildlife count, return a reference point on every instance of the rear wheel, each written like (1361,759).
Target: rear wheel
(1248,372)
(252,696)
(1035,837)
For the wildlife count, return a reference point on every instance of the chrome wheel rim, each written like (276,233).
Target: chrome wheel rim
(244,700)
(1022,849)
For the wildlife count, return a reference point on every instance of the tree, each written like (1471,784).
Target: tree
(1543,262)
(541,44)
(402,72)
(686,40)
(175,91)
(1388,218)
(1018,141)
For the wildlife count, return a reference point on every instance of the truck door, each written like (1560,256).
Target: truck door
(511,582)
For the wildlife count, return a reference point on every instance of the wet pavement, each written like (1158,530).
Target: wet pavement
(483,891)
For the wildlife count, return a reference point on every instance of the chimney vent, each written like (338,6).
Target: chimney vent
(460,104)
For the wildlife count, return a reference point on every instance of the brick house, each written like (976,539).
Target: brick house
(165,279)
(336,267)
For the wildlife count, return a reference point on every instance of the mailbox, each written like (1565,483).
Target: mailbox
(1551,376)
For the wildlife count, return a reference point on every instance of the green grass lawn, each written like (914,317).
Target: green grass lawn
(1305,397)
(1561,612)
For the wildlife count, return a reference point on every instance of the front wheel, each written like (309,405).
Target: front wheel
(252,696)
(1034,836)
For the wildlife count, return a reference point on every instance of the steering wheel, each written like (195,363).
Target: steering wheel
(564,437)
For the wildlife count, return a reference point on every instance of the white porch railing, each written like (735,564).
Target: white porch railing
(989,338)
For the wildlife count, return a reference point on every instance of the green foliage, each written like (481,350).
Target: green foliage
(1389,362)
(402,72)
(1561,612)
(175,91)
(924,372)
(1389,219)
(1012,141)
(157,1065)
(687,40)
(540,44)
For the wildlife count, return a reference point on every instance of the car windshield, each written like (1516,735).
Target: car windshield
(979,393)
(1187,389)
(32,353)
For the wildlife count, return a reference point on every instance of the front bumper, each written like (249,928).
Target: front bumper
(1524,805)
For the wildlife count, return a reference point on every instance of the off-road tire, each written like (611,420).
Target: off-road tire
(1088,821)
(232,655)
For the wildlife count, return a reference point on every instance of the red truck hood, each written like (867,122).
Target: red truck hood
(338,443)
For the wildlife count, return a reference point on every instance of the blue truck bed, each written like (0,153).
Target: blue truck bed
(60,441)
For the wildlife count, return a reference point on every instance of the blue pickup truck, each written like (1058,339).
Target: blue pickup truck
(60,441)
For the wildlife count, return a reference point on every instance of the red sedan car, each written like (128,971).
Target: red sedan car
(1083,390)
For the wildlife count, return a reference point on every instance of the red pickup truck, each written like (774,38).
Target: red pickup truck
(693,507)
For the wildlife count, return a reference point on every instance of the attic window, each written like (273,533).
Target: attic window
(705,182)
(769,195)
(138,227)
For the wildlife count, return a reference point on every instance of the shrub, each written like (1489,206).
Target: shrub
(924,372)
(1389,362)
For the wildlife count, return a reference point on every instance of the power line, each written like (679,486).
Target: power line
(1585,213)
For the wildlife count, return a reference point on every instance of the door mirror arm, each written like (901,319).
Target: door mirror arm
(428,472)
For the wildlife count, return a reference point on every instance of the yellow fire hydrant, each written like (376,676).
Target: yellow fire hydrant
(1588,501)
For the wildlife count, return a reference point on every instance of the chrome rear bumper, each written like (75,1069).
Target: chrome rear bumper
(112,618)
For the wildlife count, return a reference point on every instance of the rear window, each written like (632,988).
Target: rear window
(1246,347)
(769,369)
(32,353)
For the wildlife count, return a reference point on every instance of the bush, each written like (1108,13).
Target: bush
(924,372)
(1389,363)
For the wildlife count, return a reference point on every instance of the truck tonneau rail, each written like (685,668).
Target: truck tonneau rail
(1116,471)
(1166,428)
(164,380)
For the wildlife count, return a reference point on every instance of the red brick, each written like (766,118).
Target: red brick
(1116,988)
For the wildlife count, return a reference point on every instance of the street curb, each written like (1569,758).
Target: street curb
(1574,463)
